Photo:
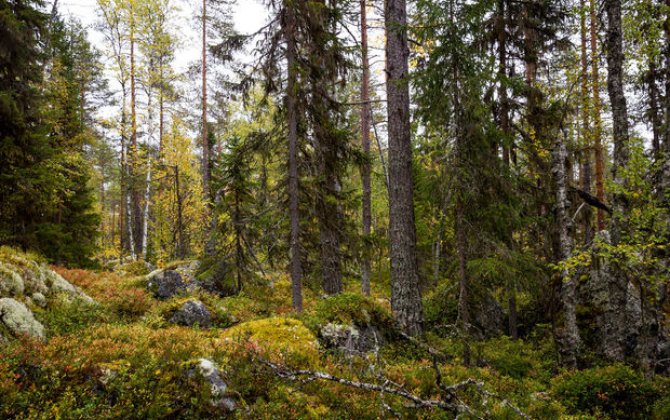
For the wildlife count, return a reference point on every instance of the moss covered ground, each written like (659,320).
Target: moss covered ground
(122,359)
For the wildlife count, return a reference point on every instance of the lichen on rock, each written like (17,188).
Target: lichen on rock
(193,312)
(11,283)
(18,319)
(218,388)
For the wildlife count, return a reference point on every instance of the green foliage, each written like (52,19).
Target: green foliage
(215,276)
(136,268)
(47,202)
(516,358)
(615,392)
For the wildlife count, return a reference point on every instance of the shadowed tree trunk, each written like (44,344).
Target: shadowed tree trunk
(205,142)
(567,334)
(365,143)
(597,120)
(615,313)
(136,211)
(585,173)
(405,293)
(289,29)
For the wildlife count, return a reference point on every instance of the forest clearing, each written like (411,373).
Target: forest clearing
(334,209)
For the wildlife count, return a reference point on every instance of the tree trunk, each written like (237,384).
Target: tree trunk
(656,123)
(161,112)
(238,241)
(597,120)
(666,29)
(136,212)
(293,187)
(205,140)
(503,115)
(586,131)
(618,283)
(365,143)
(567,333)
(405,292)
(329,220)
(463,295)
(513,317)
(145,218)
(181,243)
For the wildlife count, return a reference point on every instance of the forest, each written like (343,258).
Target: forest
(358,209)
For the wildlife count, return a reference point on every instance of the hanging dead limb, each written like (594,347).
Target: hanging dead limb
(591,200)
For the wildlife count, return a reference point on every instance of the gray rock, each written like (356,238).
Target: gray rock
(39,299)
(191,313)
(207,370)
(18,319)
(165,284)
(11,283)
(350,339)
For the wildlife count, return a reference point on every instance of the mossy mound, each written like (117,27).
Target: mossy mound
(350,309)
(279,339)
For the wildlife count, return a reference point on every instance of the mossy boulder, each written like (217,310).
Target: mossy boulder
(24,275)
(165,284)
(351,309)
(278,338)
(351,339)
(17,318)
(11,283)
(192,312)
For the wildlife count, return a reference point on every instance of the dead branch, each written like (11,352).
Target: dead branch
(451,402)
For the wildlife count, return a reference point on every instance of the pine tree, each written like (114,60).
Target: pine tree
(405,292)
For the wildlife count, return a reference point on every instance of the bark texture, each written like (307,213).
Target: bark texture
(405,293)
(205,140)
(365,144)
(567,333)
(615,315)
(293,187)
(597,120)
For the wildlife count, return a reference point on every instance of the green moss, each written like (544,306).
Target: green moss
(136,268)
(279,338)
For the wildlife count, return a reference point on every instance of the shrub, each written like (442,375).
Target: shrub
(515,358)
(615,391)
(130,303)
(66,315)
(136,268)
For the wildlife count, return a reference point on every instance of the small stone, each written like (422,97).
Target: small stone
(209,371)
(191,313)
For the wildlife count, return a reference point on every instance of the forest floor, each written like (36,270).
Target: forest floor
(123,358)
